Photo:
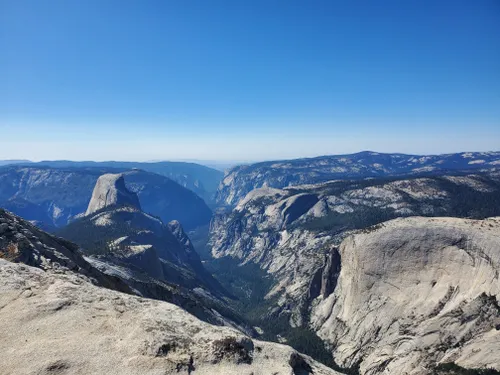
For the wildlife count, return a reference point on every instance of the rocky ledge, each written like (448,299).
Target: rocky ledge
(61,324)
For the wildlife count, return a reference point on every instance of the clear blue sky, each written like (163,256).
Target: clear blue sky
(247,79)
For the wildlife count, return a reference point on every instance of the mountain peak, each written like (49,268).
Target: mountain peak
(110,190)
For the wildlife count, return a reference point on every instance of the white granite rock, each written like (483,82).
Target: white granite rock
(110,191)
(61,324)
(415,292)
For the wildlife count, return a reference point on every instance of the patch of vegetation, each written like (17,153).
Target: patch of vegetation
(299,365)
(247,283)
(164,349)
(93,239)
(10,253)
(474,204)
(250,284)
(454,369)
(303,340)
(460,201)
(362,217)
(231,347)
(199,239)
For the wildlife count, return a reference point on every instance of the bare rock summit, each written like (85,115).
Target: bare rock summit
(110,190)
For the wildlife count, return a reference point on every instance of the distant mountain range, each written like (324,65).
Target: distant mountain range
(198,178)
(278,174)
(219,188)
(53,196)
(373,264)
(9,162)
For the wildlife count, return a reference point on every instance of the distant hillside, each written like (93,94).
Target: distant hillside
(9,162)
(198,178)
(279,174)
(53,196)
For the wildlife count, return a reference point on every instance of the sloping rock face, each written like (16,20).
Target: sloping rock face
(110,191)
(54,196)
(190,256)
(61,324)
(123,237)
(279,174)
(131,238)
(128,236)
(414,292)
(291,232)
(259,230)
(22,242)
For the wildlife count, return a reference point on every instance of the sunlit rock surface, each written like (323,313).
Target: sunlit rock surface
(415,292)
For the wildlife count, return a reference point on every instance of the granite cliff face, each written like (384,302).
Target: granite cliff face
(390,296)
(290,233)
(414,292)
(57,318)
(110,191)
(54,196)
(115,229)
(280,174)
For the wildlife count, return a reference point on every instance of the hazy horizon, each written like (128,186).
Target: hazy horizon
(225,81)
(219,164)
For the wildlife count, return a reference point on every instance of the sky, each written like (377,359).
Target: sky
(247,80)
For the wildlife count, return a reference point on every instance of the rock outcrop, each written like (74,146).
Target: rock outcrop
(156,260)
(290,232)
(415,292)
(55,196)
(115,229)
(110,191)
(22,242)
(280,174)
(55,323)
(189,255)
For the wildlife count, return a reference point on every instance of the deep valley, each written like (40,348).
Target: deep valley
(365,275)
